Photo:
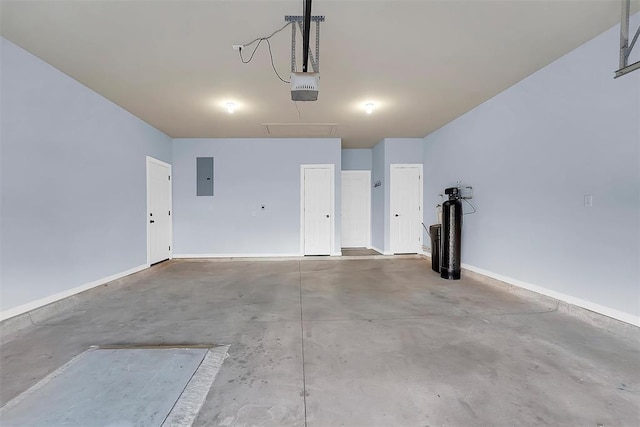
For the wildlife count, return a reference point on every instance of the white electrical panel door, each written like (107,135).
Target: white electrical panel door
(317,210)
(405,209)
(356,209)
(159,211)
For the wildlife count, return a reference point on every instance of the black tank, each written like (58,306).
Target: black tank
(451,236)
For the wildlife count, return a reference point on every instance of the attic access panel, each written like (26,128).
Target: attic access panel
(301,130)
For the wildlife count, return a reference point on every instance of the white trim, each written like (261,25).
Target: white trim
(278,255)
(158,162)
(167,165)
(421,196)
(21,309)
(332,184)
(368,174)
(601,309)
(336,253)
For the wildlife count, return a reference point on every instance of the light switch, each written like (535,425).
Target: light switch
(588,200)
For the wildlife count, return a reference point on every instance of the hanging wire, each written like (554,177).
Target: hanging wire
(426,229)
(260,40)
(269,36)
(273,65)
(299,113)
(472,207)
(252,53)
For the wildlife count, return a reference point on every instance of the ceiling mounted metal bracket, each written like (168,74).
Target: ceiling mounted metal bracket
(299,20)
(625,47)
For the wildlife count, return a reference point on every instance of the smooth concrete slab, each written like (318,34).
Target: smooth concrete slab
(395,288)
(261,382)
(108,387)
(352,342)
(462,371)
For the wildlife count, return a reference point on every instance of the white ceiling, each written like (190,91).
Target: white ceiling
(423,63)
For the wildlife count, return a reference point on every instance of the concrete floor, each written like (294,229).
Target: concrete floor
(369,342)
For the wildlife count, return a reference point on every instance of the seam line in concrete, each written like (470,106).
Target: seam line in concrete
(304,381)
(187,408)
(183,389)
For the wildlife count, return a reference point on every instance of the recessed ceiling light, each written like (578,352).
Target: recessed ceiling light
(231,107)
(368,107)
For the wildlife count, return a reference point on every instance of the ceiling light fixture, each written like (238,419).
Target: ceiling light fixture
(368,107)
(231,107)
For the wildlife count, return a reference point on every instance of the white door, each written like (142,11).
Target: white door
(317,209)
(356,209)
(406,209)
(158,211)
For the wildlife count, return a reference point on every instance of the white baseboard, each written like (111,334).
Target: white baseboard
(278,255)
(607,311)
(336,253)
(15,311)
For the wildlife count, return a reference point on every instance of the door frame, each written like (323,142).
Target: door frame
(420,206)
(149,161)
(331,168)
(367,173)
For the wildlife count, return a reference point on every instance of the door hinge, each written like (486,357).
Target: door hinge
(169,177)
(169,213)
(169,247)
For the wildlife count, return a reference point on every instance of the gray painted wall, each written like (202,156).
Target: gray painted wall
(377,197)
(357,159)
(247,174)
(73,199)
(532,153)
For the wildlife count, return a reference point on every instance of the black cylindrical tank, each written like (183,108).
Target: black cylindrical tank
(451,238)
(434,233)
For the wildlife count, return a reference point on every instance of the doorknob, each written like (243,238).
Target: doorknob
(327,216)
(397,215)
(151,222)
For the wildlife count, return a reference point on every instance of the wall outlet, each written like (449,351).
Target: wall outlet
(237,46)
(588,200)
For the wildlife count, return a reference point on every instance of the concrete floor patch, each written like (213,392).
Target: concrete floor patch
(120,387)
